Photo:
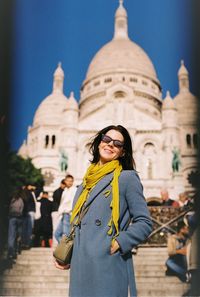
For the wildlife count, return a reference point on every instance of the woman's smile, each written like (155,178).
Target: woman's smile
(108,151)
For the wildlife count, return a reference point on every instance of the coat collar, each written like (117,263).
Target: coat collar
(99,187)
(77,194)
(96,190)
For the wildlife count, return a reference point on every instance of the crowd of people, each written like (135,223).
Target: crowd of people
(184,201)
(36,219)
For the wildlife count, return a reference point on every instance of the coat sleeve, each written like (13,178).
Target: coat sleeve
(141,225)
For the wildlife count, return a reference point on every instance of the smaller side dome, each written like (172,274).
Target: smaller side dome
(168,102)
(186,102)
(72,102)
(182,69)
(183,77)
(51,108)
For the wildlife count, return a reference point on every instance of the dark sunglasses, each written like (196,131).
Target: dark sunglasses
(108,139)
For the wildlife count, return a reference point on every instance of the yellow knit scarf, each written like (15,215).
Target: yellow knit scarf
(93,175)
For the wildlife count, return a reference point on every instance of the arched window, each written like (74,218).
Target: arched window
(144,82)
(195,140)
(188,140)
(96,83)
(46,141)
(149,159)
(53,139)
(120,94)
(107,80)
(133,79)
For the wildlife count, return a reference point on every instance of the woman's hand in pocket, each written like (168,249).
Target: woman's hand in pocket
(114,247)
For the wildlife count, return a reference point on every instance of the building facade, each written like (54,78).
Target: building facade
(121,87)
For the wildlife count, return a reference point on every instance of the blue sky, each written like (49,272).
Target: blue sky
(72,31)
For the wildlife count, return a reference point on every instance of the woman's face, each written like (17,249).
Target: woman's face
(109,150)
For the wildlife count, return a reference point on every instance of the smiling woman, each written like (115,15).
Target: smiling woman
(104,240)
(109,148)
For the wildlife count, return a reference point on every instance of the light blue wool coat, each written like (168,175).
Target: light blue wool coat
(94,272)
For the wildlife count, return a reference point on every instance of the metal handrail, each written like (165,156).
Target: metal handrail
(161,224)
(166,225)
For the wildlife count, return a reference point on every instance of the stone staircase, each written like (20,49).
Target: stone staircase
(34,274)
(151,280)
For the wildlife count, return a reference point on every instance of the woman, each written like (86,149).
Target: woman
(43,226)
(101,263)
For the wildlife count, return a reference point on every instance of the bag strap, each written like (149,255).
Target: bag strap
(34,197)
(81,214)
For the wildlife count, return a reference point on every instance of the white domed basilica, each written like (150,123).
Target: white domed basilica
(121,87)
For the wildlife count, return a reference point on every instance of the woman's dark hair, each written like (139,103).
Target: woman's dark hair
(126,160)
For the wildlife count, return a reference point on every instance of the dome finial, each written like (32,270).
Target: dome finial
(58,79)
(121,23)
(183,77)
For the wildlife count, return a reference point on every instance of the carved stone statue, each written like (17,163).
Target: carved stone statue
(176,162)
(48,178)
(63,161)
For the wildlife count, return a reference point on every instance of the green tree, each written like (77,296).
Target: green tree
(15,172)
(21,172)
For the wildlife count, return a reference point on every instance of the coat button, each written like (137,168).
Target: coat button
(98,222)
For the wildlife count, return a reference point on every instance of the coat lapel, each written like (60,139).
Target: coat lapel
(99,187)
(78,192)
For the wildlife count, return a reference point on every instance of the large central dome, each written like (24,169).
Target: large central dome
(121,54)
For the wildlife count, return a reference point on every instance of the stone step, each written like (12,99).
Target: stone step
(148,255)
(144,260)
(141,254)
(35,255)
(160,286)
(32,261)
(38,249)
(49,261)
(35,285)
(36,278)
(26,260)
(147,273)
(152,250)
(149,267)
(32,272)
(51,269)
(165,291)
(59,274)
(161,280)
(45,292)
